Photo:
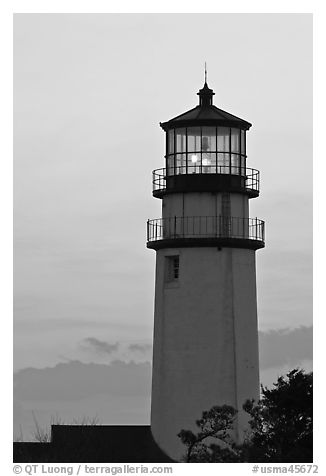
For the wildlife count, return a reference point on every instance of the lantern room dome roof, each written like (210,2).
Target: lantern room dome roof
(205,114)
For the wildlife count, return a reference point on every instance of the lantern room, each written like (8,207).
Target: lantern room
(206,140)
(206,151)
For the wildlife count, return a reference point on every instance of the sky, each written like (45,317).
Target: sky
(89,93)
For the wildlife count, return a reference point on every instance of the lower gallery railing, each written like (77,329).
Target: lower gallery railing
(205,227)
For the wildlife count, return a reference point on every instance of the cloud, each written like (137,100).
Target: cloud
(285,347)
(107,348)
(139,347)
(99,346)
(76,380)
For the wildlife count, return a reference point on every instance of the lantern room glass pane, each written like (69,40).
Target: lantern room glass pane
(171,142)
(208,146)
(235,140)
(208,139)
(193,163)
(180,164)
(235,164)
(243,142)
(223,163)
(209,163)
(194,139)
(170,164)
(223,139)
(180,137)
(243,165)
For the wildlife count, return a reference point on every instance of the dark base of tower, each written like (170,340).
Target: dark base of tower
(176,242)
(93,444)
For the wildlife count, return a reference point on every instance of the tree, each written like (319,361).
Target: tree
(281,423)
(280,427)
(215,424)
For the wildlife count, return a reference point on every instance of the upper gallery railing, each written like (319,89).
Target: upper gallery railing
(251,175)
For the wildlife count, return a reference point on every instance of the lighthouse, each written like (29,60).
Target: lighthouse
(205,349)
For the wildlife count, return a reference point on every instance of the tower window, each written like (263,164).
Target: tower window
(171,268)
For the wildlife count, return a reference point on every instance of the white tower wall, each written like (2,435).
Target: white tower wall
(206,343)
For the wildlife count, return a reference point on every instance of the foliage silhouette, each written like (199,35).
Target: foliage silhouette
(282,422)
(280,427)
(215,424)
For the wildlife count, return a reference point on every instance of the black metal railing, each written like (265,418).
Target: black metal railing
(206,227)
(251,175)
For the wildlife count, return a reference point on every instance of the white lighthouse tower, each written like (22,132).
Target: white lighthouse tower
(205,326)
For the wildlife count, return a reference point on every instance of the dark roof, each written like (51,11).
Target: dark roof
(94,443)
(205,114)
